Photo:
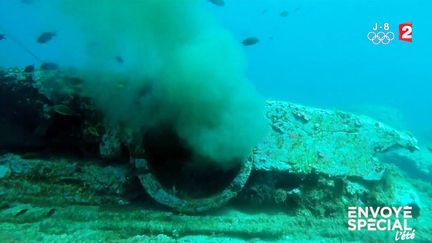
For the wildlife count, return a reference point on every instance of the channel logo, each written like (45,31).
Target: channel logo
(382,34)
(405,32)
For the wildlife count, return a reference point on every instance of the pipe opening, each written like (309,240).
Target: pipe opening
(179,171)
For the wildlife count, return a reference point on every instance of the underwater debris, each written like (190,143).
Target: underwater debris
(45,37)
(219,3)
(49,66)
(284,13)
(29,69)
(250,41)
(63,110)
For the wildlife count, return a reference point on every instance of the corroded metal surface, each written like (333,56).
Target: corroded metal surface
(154,188)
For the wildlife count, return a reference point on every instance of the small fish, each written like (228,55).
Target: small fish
(119,59)
(45,37)
(21,212)
(51,212)
(2,37)
(250,41)
(49,66)
(284,13)
(27,1)
(430,148)
(219,3)
(29,69)
(63,110)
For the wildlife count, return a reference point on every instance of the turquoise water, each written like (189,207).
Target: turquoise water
(152,125)
(317,55)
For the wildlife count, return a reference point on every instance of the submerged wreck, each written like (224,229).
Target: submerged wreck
(57,155)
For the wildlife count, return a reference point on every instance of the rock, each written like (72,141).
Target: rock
(310,156)
(4,171)
(16,165)
(109,179)
(110,147)
(330,142)
(354,188)
(31,118)
(331,161)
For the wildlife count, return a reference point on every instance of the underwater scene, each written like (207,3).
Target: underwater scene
(215,121)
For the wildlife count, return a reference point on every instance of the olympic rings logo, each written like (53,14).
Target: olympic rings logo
(380,37)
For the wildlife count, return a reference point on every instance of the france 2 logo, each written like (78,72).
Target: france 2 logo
(405,32)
